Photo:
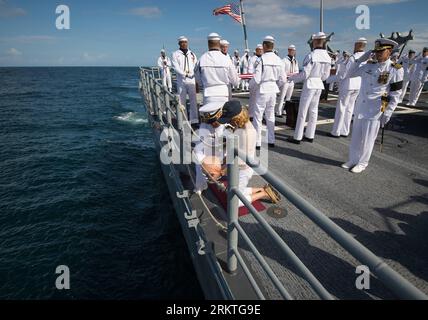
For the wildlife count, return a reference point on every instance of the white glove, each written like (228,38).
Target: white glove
(384,119)
(364,57)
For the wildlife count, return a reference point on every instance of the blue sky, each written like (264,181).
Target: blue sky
(131,32)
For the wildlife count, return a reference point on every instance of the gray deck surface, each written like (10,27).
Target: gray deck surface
(385,207)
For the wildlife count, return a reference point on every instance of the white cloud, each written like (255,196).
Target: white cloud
(88,57)
(273,14)
(13,52)
(146,12)
(7,11)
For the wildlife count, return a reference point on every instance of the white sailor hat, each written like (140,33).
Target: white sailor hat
(361,40)
(182,38)
(384,43)
(259,46)
(247,50)
(236,51)
(214,37)
(292,47)
(319,35)
(269,39)
(224,42)
(162,51)
(211,107)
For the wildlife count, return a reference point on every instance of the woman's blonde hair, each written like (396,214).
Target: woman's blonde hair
(241,119)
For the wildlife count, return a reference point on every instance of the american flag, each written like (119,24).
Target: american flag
(232,10)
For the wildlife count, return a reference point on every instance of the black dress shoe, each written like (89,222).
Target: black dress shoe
(271,145)
(278,115)
(343,136)
(258,147)
(333,136)
(308,140)
(292,140)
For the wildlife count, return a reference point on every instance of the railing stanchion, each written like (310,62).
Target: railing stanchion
(232,204)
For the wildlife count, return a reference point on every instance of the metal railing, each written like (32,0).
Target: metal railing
(166,108)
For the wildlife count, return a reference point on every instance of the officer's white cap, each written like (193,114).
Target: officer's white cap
(182,38)
(259,46)
(292,47)
(361,40)
(214,37)
(269,39)
(211,107)
(384,43)
(319,35)
(224,42)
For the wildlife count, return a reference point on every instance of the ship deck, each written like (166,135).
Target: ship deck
(385,208)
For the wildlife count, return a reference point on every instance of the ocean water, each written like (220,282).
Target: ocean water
(81,186)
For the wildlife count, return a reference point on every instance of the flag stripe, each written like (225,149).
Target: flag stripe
(232,10)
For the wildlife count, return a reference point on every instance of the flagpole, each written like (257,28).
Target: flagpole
(321,15)
(244,27)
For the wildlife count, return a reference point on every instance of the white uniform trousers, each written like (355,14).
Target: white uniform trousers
(265,104)
(252,101)
(344,110)
(286,93)
(415,91)
(166,80)
(364,134)
(184,88)
(244,178)
(404,91)
(309,101)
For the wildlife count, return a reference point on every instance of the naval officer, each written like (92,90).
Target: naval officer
(349,88)
(215,72)
(291,67)
(381,84)
(184,61)
(164,64)
(316,69)
(419,77)
(253,86)
(269,76)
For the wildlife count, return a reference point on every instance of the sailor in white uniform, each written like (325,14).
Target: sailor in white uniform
(164,64)
(214,72)
(245,64)
(349,89)
(253,86)
(408,63)
(419,77)
(237,63)
(224,48)
(184,61)
(291,67)
(316,69)
(381,84)
(269,76)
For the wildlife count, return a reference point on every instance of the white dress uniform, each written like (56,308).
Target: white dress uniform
(164,65)
(316,69)
(349,88)
(409,68)
(215,72)
(245,65)
(253,87)
(184,64)
(236,60)
(419,77)
(291,67)
(377,80)
(269,76)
